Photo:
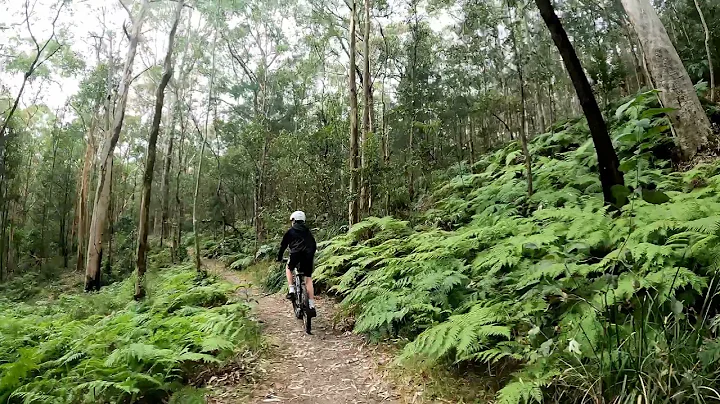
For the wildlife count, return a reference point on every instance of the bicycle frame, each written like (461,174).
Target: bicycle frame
(301,308)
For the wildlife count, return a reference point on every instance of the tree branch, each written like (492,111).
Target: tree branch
(237,58)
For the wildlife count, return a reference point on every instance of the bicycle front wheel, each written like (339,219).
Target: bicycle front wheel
(308,323)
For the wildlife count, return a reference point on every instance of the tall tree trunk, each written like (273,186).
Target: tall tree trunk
(259,192)
(176,113)
(610,175)
(413,110)
(82,200)
(110,226)
(151,152)
(707,50)
(523,113)
(471,141)
(540,108)
(165,191)
(50,193)
(177,236)
(92,280)
(691,125)
(367,116)
(99,216)
(63,237)
(354,155)
(3,228)
(198,263)
(203,140)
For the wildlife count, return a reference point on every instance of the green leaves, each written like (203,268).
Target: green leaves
(654,197)
(636,105)
(621,194)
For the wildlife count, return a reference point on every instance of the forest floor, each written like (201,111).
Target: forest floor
(330,366)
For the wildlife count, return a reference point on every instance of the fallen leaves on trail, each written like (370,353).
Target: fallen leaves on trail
(332,366)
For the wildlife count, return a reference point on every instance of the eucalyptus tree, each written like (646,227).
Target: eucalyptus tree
(691,125)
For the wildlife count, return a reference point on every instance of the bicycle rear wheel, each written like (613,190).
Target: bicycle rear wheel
(305,309)
(299,302)
(308,324)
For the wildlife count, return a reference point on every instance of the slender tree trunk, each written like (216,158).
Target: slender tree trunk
(610,175)
(63,239)
(367,116)
(707,50)
(99,216)
(50,193)
(164,231)
(198,263)
(151,152)
(3,228)
(203,140)
(523,113)
(354,154)
(177,237)
(471,141)
(691,125)
(413,110)
(540,109)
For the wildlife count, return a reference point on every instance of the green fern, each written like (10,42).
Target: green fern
(99,348)
(574,295)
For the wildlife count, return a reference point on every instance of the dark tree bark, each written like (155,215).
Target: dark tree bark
(610,174)
(150,165)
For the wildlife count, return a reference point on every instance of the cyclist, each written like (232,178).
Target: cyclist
(302,253)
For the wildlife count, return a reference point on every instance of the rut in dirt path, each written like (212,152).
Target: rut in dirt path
(330,366)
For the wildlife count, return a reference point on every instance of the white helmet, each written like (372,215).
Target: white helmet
(298,215)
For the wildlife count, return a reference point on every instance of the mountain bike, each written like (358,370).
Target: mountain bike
(301,308)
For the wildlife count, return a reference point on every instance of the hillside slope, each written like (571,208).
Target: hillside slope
(585,303)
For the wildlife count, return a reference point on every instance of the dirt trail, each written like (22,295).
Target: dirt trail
(330,366)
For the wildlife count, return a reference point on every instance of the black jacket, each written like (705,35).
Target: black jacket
(299,239)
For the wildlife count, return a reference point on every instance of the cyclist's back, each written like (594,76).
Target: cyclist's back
(299,239)
(302,246)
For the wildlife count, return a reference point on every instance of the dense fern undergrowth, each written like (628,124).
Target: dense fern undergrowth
(105,348)
(583,304)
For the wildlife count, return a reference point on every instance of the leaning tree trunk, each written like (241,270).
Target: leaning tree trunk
(610,175)
(151,152)
(692,126)
(100,212)
(354,155)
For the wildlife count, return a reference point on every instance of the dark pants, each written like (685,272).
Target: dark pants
(303,262)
